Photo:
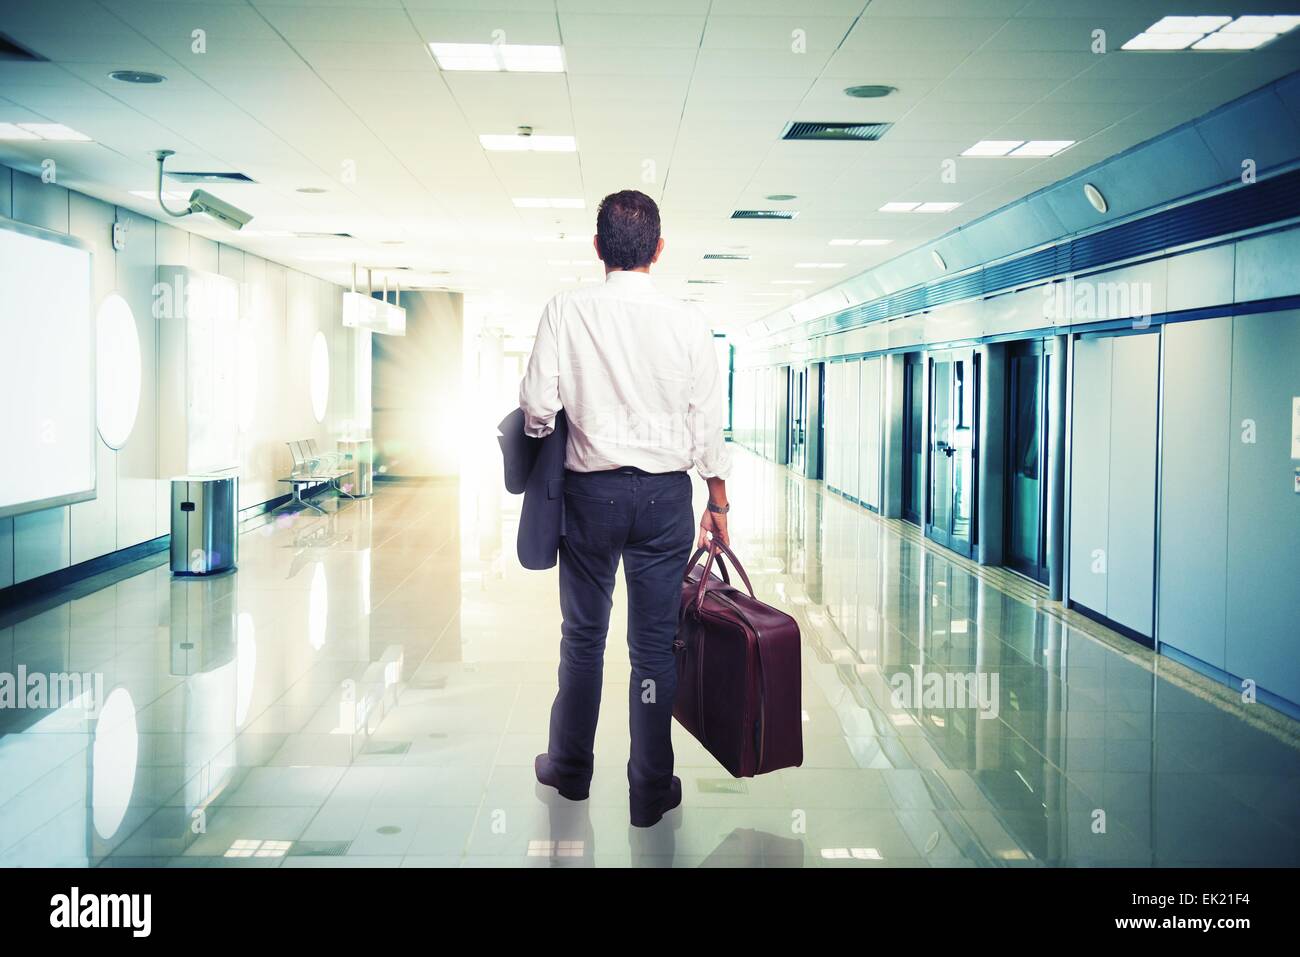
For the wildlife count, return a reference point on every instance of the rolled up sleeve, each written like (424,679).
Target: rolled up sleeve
(539,392)
(709,451)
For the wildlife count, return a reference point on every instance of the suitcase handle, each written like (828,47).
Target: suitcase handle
(695,559)
(716,550)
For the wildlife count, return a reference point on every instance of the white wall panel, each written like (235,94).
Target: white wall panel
(869,433)
(1201,278)
(1195,439)
(1258,267)
(139,490)
(1090,472)
(1130,578)
(93,524)
(1263,603)
(848,413)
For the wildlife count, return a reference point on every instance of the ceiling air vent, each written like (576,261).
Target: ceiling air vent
(324,235)
(764,214)
(11,52)
(835,131)
(705,282)
(194,177)
(726,255)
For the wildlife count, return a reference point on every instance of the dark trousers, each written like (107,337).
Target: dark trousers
(647,520)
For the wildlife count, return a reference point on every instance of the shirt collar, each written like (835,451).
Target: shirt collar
(628,278)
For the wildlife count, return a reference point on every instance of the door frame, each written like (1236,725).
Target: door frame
(944,536)
(912,360)
(1021,348)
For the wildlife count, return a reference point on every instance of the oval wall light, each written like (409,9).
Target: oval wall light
(1097,200)
(117,370)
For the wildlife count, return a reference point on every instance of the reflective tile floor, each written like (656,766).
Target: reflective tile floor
(370,688)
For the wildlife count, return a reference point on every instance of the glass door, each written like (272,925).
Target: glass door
(798,417)
(1025,544)
(913,436)
(954,396)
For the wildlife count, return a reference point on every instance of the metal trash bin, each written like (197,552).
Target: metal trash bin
(205,524)
(360,455)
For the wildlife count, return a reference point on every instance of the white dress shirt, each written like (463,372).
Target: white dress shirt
(637,376)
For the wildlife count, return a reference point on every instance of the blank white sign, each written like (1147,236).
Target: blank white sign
(47,373)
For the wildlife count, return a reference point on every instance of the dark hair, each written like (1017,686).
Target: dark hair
(627,229)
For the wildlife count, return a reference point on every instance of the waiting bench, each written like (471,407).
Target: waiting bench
(313,467)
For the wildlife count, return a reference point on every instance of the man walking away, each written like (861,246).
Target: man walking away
(637,376)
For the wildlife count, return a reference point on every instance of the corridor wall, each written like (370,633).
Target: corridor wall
(1113,478)
(282,312)
(1229,512)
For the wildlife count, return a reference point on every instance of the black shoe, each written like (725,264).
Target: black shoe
(649,818)
(546,775)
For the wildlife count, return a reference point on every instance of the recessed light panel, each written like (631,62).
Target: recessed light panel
(992,147)
(1017,149)
(535,143)
(1233,41)
(498,57)
(12,131)
(1041,148)
(899,207)
(937,207)
(1212,33)
(41,131)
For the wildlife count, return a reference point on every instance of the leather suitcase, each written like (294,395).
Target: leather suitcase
(738,680)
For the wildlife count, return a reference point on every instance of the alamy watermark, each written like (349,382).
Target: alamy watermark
(37,690)
(917,688)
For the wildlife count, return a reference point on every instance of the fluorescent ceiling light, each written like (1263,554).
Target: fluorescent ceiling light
(12,131)
(1233,41)
(55,131)
(1039,148)
(1162,41)
(1212,33)
(898,207)
(1274,25)
(496,57)
(937,207)
(1017,148)
(992,147)
(874,242)
(1188,24)
(41,131)
(542,202)
(514,142)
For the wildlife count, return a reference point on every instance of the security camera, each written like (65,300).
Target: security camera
(201,201)
(221,211)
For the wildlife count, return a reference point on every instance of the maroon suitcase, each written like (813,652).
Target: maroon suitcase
(738,685)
